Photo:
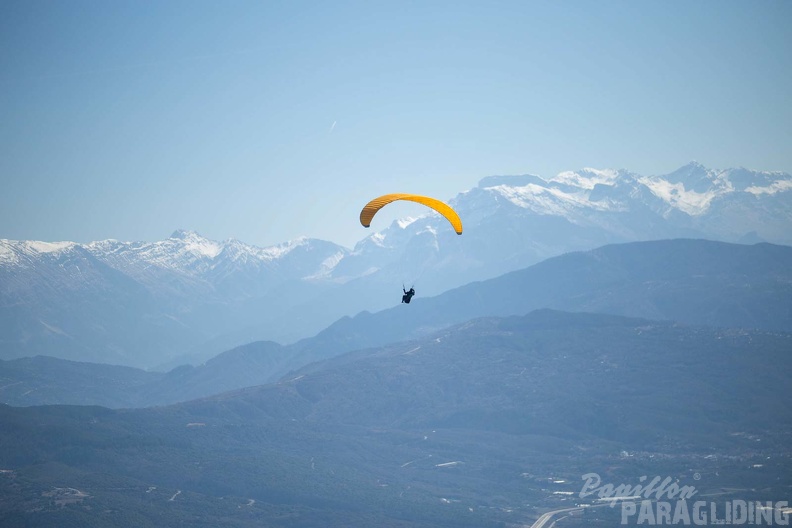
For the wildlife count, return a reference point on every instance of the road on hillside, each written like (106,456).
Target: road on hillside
(546,517)
(544,520)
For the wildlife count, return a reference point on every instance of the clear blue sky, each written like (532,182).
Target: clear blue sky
(269,120)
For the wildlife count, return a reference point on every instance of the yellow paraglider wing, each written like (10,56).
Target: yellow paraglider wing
(376,204)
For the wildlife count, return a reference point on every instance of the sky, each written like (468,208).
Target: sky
(266,120)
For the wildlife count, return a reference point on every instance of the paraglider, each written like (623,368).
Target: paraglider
(371,208)
(376,204)
(408,295)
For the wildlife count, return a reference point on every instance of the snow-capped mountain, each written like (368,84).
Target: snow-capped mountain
(140,303)
(691,198)
(229,269)
(145,303)
(514,221)
(189,253)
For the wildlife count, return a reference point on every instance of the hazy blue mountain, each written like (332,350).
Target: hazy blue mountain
(187,298)
(691,281)
(142,304)
(60,299)
(43,380)
(488,423)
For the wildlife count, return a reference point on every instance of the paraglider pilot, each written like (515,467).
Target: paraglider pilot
(407,294)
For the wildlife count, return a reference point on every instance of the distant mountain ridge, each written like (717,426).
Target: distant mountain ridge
(186,253)
(142,301)
(614,206)
(489,423)
(147,304)
(690,281)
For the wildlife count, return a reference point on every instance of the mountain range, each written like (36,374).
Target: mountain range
(689,281)
(488,423)
(544,345)
(186,299)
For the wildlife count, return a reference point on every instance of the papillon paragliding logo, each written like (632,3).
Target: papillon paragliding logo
(663,502)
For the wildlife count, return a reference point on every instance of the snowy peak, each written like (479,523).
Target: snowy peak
(698,178)
(583,208)
(511,181)
(694,189)
(280,250)
(587,178)
(194,244)
(759,183)
(183,234)
(676,195)
(185,254)
(189,251)
(47,247)
(566,194)
(19,252)
(691,189)
(694,177)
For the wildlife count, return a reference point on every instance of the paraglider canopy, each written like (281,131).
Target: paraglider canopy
(376,204)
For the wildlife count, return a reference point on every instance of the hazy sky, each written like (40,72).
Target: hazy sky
(269,120)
